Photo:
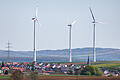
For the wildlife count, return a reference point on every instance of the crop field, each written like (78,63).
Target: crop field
(2,77)
(107,64)
(72,78)
(77,78)
(99,64)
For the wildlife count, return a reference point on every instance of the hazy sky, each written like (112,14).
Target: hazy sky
(17,27)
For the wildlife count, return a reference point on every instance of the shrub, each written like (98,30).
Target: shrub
(2,64)
(70,71)
(88,73)
(6,72)
(33,75)
(110,75)
(88,68)
(16,75)
(77,71)
(98,73)
(91,70)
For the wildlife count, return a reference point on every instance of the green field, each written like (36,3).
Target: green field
(4,77)
(101,64)
(107,64)
(59,75)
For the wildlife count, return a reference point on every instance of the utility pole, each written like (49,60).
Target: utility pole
(8,46)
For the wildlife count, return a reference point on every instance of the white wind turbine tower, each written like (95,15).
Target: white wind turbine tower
(35,19)
(94,38)
(70,29)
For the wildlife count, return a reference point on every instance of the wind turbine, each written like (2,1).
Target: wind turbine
(70,29)
(35,19)
(94,24)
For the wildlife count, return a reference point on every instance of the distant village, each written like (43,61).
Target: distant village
(50,68)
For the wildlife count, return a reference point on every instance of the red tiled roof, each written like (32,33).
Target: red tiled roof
(5,68)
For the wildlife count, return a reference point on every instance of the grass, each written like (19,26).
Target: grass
(107,65)
(59,75)
(1,77)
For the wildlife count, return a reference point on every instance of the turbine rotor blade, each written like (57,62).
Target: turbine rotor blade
(74,21)
(92,14)
(38,22)
(99,22)
(36,12)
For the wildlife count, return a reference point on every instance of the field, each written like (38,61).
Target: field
(77,78)
(100,64)
(72,78)
(1,77)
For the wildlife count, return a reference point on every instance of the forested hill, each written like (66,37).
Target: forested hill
(79,54)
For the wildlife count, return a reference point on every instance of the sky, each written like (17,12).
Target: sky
(16,24)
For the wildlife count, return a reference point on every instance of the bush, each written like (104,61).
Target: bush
(110,75)
(6,72)
(70,71)
(16,75)
(77,71)
(99,73)
(91,70)
(88,73)
(2,64)
(33,75)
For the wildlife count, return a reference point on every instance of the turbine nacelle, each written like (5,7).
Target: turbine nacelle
(97,22)
(94,22)
(33,18)
(69,25)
